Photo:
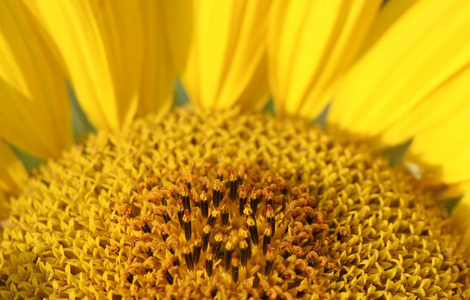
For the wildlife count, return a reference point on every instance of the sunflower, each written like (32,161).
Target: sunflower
(234,195)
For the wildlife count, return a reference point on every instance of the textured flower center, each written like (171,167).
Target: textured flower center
(226,205)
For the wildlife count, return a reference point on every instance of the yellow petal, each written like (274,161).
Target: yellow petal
(35,109)
(12,171)
(166,43)
(310,45)
(101,44)
(389,13)
(177,23)
(446,144)
(227,60)
(420,53)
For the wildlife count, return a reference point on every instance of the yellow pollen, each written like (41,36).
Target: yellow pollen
(227,206)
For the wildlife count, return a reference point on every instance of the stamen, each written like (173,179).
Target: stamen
(269,261)
(188,257)
(213,218)
(166,216)
(217,244)
(164,234)
(254,200)
(184,195)
(270,218)
(187,225)
(228,254)
(168,277)
(269,197)
(244,235)
(244,251)
(225,216)
(217,193)
(146,228)
(253,230)
(179,205)
(197,251)
(242,199)
(235,267)
(267,238)
(204,205)
(233,181)
(206,234)
(209,263)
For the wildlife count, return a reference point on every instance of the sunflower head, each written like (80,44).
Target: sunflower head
(215,205)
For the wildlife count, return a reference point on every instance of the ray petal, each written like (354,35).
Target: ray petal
(102,46)
(12,171)
(227,57)
(166,42)
(35,111)
(417,56)
(310,45)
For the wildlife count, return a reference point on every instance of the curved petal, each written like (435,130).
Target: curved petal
(101,44)
(414,58)
(166,28)
(227,59)
(310,45)
(12,171)
(35,110)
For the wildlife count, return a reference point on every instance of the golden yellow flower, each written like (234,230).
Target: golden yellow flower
(215,199)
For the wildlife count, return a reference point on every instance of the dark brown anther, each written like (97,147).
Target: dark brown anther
(130,278)
(204,205)
(164,234)
(285,249)
(217,193)
(225,216)
(175,261)
(244,248)
(188,185)
(233,184)
(146,228)
(188,257)
(197,251)
(235,267)
(269,261)
(187,225)
(184,195)
(242,200)
(217,244)
(164,200)
(299,266)
(168,277)
(149,252)
(253,230)
(206,234)
(269,198)
(213,217)
(209,263)
(244,235)
(228,255)
(254,200)
(166,216)
(342,231)
(180,207)
(267,238)
(270,218)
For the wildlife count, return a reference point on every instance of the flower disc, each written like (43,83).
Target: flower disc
(201,205)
